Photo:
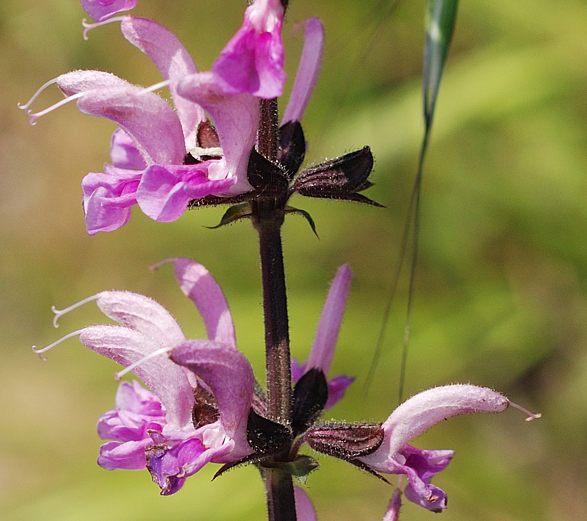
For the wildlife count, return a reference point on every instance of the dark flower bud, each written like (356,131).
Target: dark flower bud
(345,441)
(292,147)
(309,398)
(339,178)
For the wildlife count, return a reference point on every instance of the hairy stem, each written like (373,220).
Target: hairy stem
(267,217)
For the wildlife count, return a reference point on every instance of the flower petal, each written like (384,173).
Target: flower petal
(330,321)
(75,82)
(101,10)
(230,377)
(197,284)
(337,387)
(144,116)
(426,409)
(236,119)
(141,314)
(107,199)
(394,506)
(129,455)
(165,191)
(123,152)
(173,61)
(163,377)
(304,509)
(308,71)
(172,462)
(252,60)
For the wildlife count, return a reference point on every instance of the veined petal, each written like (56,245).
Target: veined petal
(144,116)
(166,379)
(197,284)
(330,321)
(252,61)
(101,10)
(230,377)
(165,191)
(422,411)
(173,61)
(236,119)
(308,71)
(304,509)
(124,153)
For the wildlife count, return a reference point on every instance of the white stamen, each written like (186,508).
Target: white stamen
(36,94)
(88,27)
(61,312)
(157,86)
(531,415)
(34,116)
(51,346)
(128,369)
(198,152)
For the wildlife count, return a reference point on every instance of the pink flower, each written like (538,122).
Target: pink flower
(252,61)
(161,158)
(200,396)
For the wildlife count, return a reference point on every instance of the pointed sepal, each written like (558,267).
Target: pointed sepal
(233,214)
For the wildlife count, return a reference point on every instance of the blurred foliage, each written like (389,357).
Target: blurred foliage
(501,282)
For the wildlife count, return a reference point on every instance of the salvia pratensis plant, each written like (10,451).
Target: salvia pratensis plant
(221,143)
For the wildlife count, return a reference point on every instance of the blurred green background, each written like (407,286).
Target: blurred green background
(501,283)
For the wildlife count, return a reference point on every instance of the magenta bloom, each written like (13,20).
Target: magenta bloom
(417,415)
(162,158)
(252,61)
(197,408)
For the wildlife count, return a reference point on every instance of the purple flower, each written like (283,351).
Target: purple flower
(252,61)
(326,337)
(163,158)
(101,10)
(412,418)
(200,396)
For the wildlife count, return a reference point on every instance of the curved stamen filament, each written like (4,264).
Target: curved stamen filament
(51,346)
(157,352)
(36,94)
(531,415)
(60,312)
(34,116)
(88,26)
(157,265)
